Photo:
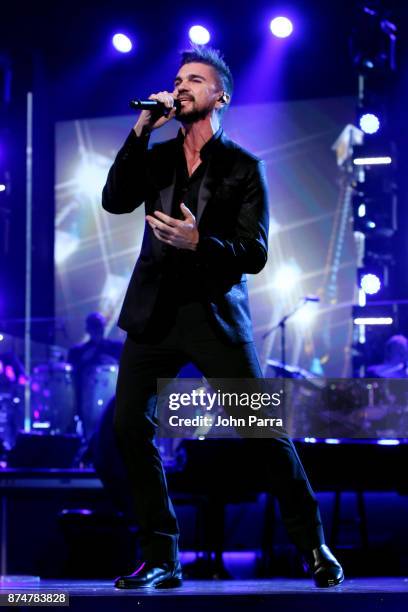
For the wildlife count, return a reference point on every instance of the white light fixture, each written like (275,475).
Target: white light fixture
(373,321)
(372,161)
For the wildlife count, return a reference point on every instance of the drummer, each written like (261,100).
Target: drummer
(395,360)
(98,350)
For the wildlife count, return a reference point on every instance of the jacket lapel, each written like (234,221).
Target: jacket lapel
(206,190)
(168,178)
(217,168)
(166,195)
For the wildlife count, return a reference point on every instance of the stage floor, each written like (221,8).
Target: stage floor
(385,594)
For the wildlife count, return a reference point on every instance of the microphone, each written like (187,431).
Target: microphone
(153,105)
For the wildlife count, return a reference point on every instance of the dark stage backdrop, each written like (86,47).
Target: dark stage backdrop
(309,254)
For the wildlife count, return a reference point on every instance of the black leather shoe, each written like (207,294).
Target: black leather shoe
(163,576)
(325,568)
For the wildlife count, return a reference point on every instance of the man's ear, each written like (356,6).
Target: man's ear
(224,98)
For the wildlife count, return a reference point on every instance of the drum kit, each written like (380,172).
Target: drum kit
(53,397)
(97,390)
(11,401)
(315,407)
(53,400)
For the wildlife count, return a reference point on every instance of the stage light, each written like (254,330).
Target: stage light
(199,35)
(281,27)
(1,337)
(122,43)
(286,277)
(373,321)
(372,161)
(361,211)
(331,441)
(375,213)
(369,123)
(9,373)
(362,297)
(42,425)
(306,315)
(388,442)
(370,283)
(2,187)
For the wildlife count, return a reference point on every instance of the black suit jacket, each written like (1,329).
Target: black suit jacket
(232,218)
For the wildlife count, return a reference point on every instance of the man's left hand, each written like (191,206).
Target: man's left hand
(182,234)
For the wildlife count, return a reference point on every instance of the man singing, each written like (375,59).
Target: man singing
(206,227)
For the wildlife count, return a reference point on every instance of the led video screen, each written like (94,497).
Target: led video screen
(311,248)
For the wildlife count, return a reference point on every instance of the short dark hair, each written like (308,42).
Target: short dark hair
(211,57)
(95,320)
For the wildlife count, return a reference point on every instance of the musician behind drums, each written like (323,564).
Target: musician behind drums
(85,357)
(395,364)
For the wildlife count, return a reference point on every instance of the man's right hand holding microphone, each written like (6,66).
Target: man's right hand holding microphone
(149,120)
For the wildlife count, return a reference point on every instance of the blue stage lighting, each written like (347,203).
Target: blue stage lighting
(122,43)
(199,35)
(370,283)
(369,123)
(372,161)
(373,321)
(281,27)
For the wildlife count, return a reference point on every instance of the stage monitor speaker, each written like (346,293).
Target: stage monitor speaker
(39,450)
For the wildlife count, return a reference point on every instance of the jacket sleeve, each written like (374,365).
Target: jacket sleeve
(127,185)
(247,251)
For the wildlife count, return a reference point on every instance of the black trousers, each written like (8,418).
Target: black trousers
(192,339)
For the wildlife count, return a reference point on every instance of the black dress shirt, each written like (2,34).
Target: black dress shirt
(180,284)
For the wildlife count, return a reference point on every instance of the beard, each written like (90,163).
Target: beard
(192,116)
